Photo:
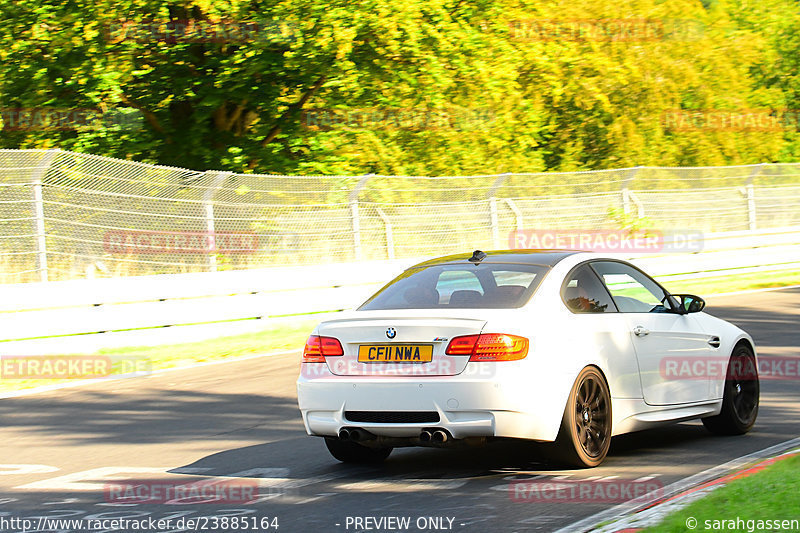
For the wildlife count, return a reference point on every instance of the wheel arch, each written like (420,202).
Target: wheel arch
(744,341)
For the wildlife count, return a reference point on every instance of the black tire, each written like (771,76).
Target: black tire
(352,452)
(585,434)
(740,396)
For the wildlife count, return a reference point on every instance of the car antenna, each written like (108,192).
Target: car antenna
(477,256)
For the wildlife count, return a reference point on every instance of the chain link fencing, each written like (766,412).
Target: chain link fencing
(65,215)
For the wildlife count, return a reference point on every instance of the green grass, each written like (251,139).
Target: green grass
(716,285)
(771,494)
(285,337)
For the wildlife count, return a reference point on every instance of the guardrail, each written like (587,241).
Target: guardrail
(59,316)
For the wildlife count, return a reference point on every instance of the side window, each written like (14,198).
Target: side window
(633,291)
(583,292)
(514,278)
(458,288)
(510,287)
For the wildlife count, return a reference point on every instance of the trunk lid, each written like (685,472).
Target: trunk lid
(400,342)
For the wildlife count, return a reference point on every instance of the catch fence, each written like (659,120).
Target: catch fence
(65,215)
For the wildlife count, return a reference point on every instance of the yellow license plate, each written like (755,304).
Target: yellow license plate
(395,353)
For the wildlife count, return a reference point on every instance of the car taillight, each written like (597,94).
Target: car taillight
(489,347)
(462,345)
(318,348)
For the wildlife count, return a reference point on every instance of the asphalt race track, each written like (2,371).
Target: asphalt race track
(240,420)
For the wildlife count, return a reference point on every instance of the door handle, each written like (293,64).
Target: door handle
(639,331)
(714,342)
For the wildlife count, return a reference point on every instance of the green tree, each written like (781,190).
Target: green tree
(485,92)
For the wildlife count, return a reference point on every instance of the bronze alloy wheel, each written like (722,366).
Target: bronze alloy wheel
(585,434)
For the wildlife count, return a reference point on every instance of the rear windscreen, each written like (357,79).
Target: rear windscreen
(482,286)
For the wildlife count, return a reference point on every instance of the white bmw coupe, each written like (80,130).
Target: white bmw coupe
(546,345)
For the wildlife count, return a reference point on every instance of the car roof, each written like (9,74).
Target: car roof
(547,257)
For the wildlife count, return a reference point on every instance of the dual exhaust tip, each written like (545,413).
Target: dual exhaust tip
(437,435)
(355,434)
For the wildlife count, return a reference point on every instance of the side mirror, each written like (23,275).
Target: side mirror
(689,303)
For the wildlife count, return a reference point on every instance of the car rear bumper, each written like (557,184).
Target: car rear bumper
(498,405)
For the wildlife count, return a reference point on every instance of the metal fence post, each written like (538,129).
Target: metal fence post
(38,210)
(387,224)
(751,197)
(355,219)
(626,192)
(518,219)
(494,220)
(208,202)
